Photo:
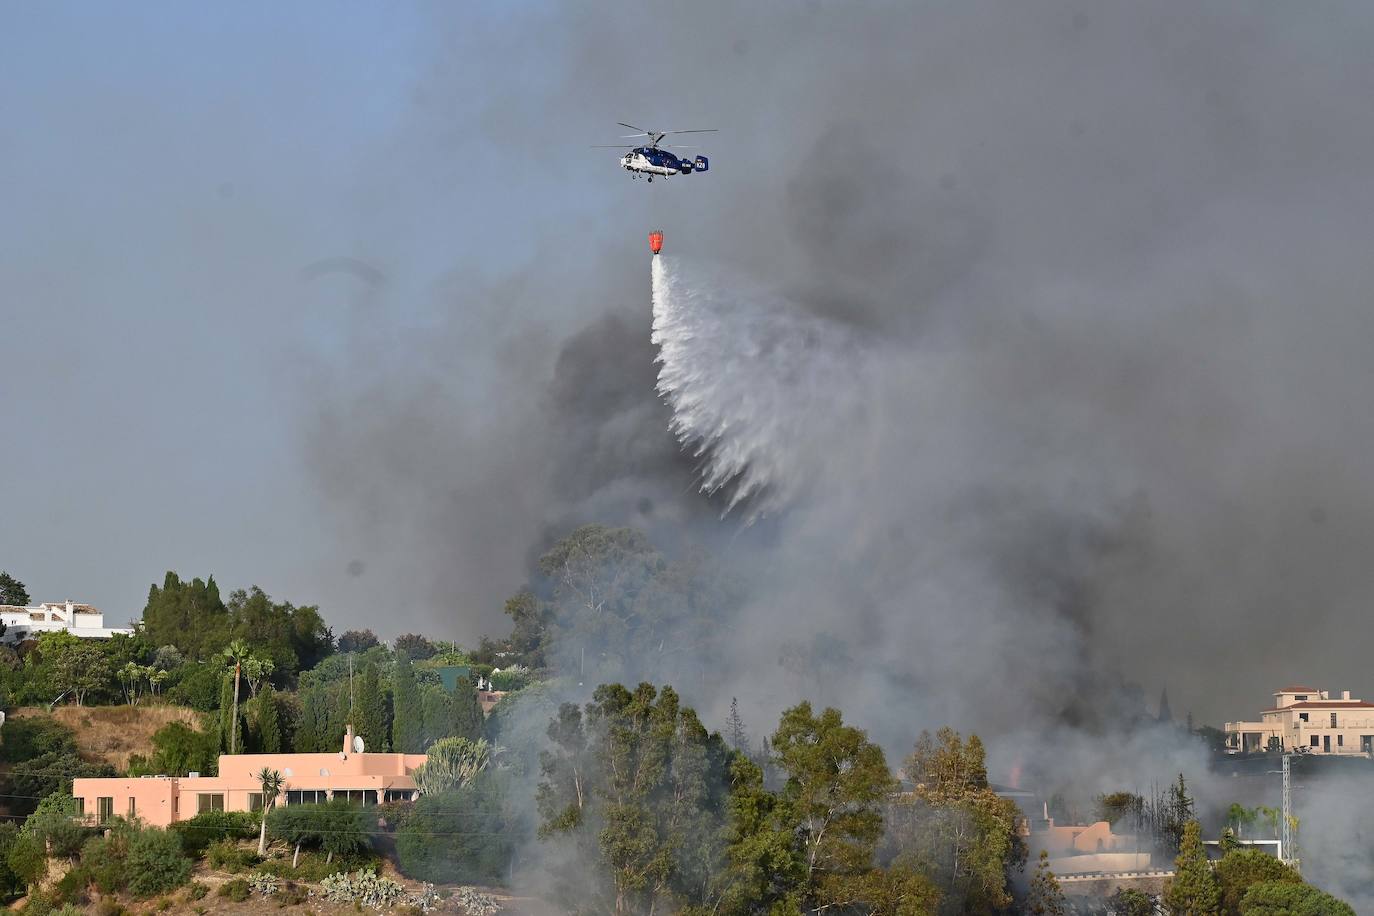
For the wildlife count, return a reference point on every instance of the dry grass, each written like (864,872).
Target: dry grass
(114,733)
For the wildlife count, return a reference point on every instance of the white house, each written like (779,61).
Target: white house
(1307,720)
(82,620)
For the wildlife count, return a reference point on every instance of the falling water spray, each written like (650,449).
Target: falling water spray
(753,383)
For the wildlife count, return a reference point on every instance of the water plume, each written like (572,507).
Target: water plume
(743,371)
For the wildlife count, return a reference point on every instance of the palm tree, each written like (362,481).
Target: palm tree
(236,652)
(271,782)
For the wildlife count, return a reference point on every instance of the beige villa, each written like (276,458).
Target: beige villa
(1306,720)
(160,800)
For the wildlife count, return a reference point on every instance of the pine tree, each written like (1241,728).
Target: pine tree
(12,591)
(406,719)
(1046,897)
(734,729)
(1165,715)
(1194,890)
(369,709)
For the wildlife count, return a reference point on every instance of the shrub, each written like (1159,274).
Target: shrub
(476,903)
(109,907)
(197,686)
(199,832)
(235,890)
(27,738)
(178,749)
(228,855)
(28,859)
(196,891)
(52,823)
(69,909)
(143,860)
(156,863)
(72,887)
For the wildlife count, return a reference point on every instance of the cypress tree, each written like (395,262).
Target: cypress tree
(468,719)
(226,711)
(370,709)
(406,722)
(1194,890)
(267,737)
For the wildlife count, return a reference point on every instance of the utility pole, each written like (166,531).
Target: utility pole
(1286,827)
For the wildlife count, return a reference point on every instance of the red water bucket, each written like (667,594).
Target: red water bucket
(656,241)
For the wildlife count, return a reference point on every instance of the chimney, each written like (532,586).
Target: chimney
(348,741)
(1345,694)
(1325,695)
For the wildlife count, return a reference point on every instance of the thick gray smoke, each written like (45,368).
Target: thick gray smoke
(1094,413)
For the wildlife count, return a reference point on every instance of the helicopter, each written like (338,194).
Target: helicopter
(652,160)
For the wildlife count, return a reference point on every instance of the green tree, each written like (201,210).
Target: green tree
(735,733)
(1114,806)
(954,827)
(79,666)
(12,591)
(188,615)
(369,714)
(836,783)
(415,646)
(638,787)
(1238,871)
(407,719)
(1046,897)
(357,641)
(447,714)
(465,835)
(178,749)
(765,869)
(1283,898)
(337,827)
(265,727)
(1193,890)
(1127,901)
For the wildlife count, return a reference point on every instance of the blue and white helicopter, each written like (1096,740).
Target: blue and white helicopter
(653,160)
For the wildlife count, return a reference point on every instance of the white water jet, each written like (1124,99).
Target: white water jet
(752,381)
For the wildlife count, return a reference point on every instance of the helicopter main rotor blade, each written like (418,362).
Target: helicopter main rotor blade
(613,146)
(632,127)
(705,130)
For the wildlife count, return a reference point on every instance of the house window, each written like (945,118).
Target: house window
(209,801)
(1340,741)
(395,795)
(254,801)
(354,796)
(81,807)
(1302,717)
(1315,742)
(104,809)
(305,797)
(133,807)
(1333,720)
(1301,697)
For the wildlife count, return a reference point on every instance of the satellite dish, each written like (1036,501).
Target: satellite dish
(286,772)
(357,744)
(323,771)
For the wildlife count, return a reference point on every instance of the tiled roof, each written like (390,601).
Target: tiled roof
(1298,690)
(1325,704)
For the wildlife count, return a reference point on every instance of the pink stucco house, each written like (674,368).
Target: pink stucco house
(161,800)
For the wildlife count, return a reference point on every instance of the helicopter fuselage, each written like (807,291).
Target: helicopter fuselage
(654,162)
